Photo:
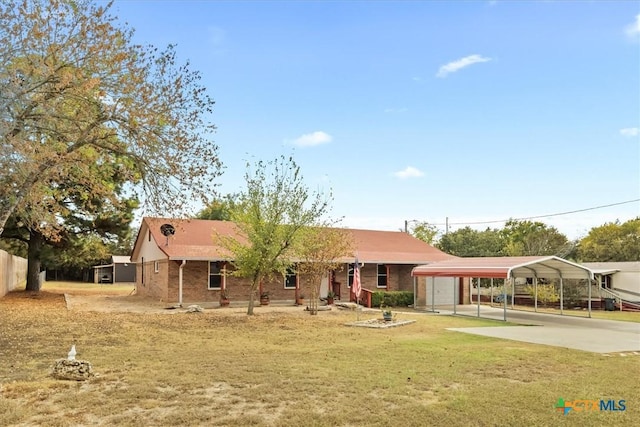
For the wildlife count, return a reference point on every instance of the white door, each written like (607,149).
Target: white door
(324,286)
(441,290)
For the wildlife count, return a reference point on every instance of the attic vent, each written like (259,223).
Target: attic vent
(167,230)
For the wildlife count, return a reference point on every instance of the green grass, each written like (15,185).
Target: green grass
(222,367)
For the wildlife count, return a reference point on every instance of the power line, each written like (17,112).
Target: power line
(544,216)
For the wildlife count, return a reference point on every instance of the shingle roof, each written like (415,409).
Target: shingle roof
(194,240)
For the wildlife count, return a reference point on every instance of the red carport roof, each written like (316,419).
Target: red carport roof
(505,267)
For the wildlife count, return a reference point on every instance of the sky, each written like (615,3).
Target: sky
(462,112)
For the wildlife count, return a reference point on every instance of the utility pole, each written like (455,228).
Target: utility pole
(446,226)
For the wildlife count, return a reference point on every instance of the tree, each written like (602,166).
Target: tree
(218,209)
(71,79)
(319,252)
(425,232)
(534,238)
(467,242)
(72,210)
(612,242)
(271,215)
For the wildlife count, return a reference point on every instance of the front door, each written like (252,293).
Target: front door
(324,286)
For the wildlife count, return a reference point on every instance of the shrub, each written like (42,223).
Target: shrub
(391,298)
(546,293)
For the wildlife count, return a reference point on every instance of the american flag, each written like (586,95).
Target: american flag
(357,286)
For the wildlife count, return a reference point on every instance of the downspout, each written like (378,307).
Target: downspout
(184,261)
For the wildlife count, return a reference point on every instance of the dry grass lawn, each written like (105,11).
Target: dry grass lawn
(287,368)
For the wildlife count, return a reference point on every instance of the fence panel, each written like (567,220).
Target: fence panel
(13,272)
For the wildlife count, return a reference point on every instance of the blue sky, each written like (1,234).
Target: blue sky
(475,111)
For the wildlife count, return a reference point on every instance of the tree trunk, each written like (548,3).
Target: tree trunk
(254,285)
(315,295)
(36,240)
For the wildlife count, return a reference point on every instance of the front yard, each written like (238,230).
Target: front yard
(288,368)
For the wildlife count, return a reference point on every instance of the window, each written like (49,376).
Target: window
(291,279)
(216,274)
(156,266)
(382,276)
(350,275)
(605,281)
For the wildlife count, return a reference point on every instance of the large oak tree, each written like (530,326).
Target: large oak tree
(85,207)
(71,78)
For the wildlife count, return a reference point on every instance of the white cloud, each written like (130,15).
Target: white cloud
(409,172)
(313,139)
(461,63)
(633,30)
(630,132)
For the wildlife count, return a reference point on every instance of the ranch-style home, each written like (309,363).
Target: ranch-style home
(178,260)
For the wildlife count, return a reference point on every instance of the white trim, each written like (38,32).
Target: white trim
(386,275)
(222,274)
(156,266)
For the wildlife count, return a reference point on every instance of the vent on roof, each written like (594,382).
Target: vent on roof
(167,230)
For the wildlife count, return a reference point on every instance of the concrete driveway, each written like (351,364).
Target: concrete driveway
(587,334)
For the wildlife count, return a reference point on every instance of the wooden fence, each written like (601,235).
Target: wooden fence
(13,272)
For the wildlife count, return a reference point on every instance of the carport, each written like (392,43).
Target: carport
(509,268)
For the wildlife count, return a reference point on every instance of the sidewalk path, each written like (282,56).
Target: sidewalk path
(588,334)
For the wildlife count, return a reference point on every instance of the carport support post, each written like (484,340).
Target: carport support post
(478,296)
(491,294)
(433,294)
(504,298)
(535,294)
(513,292)
(589,304)
(455,298)
(561,296)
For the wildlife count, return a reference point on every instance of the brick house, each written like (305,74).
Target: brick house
(178,260)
